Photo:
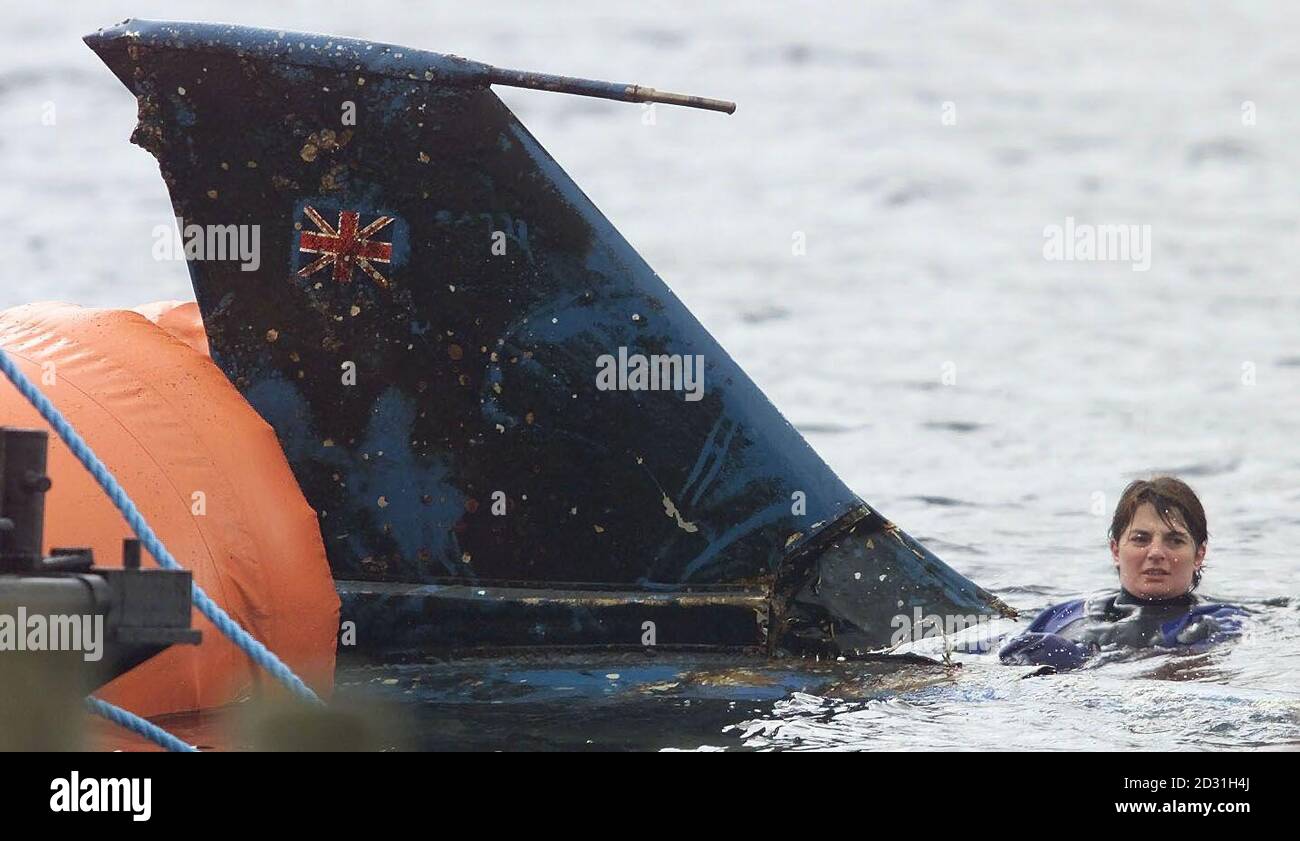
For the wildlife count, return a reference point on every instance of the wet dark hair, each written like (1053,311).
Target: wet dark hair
(1167,495)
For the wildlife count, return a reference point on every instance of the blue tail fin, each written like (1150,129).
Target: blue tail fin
(475,378)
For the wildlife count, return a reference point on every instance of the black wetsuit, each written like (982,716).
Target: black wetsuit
(1065,635)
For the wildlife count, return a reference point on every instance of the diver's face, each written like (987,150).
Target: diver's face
(1156,560)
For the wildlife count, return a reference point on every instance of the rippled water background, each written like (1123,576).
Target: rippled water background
(924,257)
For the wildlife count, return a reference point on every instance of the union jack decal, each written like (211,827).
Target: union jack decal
(345,247)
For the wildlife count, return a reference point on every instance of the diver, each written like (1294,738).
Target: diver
(1157,543)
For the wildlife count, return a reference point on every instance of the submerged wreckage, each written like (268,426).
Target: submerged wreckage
(425,331)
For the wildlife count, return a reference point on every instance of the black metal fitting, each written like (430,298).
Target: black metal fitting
(144,611)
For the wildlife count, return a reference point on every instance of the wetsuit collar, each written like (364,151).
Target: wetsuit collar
(1127,599)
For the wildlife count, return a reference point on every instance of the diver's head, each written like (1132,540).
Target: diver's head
(1157,538)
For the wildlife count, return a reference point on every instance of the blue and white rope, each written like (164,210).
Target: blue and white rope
(138,725)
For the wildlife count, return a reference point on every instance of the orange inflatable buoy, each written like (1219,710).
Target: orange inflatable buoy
(181,319)
(207,473)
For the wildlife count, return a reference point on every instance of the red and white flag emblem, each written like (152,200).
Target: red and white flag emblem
(346,247)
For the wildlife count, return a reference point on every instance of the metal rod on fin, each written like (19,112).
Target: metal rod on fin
(603,90)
